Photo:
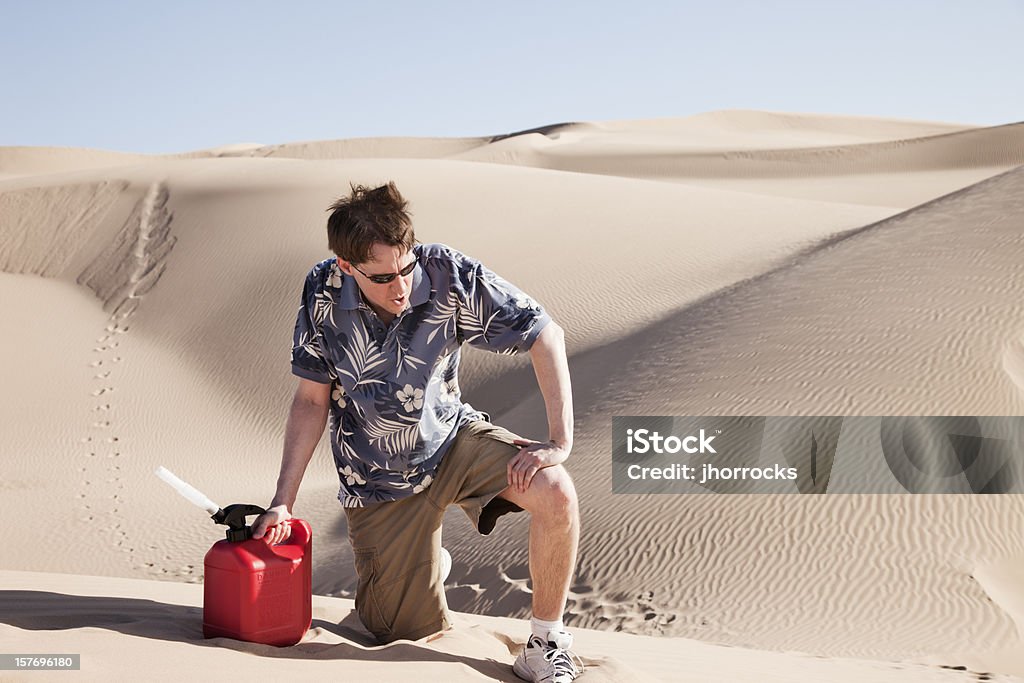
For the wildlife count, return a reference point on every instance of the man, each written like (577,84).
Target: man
(376,347)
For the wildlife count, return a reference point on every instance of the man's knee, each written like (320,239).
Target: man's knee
(411,632)
(555,494)
(395,602)
(415,618)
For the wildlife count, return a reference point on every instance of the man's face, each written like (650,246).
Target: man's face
(388,300)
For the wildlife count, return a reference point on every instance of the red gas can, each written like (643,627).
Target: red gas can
(258,592)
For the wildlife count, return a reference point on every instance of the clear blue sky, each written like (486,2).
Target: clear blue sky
(175,76)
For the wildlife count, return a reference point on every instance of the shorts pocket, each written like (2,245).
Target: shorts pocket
(368,604)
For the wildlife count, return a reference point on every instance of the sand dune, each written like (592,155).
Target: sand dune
(676,157)
(871,324)
(26,161)
(824,162)
(727,263)
(371,148)
(736,123)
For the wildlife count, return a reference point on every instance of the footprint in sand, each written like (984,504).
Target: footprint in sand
(635,614)
(113,472)
(517,575)
(143,244)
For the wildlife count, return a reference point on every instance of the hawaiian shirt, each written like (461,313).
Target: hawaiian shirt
(395,401)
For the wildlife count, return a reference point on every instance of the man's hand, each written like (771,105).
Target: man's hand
(271,524)
(533,457)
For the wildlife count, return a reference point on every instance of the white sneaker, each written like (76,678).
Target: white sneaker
(550,662)
(446,564)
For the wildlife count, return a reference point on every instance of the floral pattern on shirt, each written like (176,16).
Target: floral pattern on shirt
(395,400)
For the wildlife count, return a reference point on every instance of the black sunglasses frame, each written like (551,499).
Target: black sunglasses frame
(385,278)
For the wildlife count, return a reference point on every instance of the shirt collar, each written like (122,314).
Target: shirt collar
(351,298)
(420,286)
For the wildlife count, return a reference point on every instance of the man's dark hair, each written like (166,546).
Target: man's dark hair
(367,216)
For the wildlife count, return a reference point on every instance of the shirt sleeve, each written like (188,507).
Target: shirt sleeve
(307,359)
(494,314)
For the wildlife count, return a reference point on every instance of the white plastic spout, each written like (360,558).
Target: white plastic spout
(187,490)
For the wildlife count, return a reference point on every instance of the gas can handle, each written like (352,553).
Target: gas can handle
(300,532)
(234,516)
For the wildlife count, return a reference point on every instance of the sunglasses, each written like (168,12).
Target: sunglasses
(385,278)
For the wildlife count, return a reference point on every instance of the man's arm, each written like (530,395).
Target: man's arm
(306,421)
(552,370)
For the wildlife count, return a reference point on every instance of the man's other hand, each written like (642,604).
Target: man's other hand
(533,456)
(270,524)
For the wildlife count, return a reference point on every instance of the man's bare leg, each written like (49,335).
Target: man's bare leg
(554,537)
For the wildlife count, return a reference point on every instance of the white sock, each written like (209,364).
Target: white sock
(540,627)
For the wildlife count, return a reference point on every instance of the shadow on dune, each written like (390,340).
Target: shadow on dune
(614,363)
(543,130)
(46,611)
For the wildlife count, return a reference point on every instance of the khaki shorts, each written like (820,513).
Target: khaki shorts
(397,545)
